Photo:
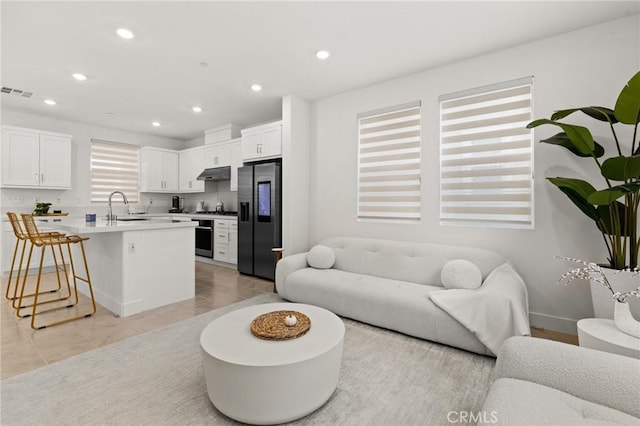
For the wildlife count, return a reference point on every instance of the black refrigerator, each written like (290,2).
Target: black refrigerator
(259,218)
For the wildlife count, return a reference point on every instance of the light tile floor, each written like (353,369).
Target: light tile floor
(24,349)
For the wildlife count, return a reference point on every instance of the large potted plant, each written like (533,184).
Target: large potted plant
(614,207)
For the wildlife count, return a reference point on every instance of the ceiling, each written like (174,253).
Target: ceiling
(158,75)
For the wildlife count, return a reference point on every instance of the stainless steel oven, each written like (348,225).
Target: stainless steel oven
(204,237)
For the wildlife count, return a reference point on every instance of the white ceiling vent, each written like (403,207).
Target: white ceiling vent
(16,92)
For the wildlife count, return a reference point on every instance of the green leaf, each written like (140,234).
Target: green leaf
(621,168)
(579,136)
(563,140)
(627,188)
(599,113)
(606,224)
(605,196)
(578,192)
(627,108)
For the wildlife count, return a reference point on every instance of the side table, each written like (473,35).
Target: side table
(603,335)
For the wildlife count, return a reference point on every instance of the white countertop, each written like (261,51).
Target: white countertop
(80,226)
(206,216)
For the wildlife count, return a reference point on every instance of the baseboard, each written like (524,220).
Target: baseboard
(550,322)
(33,271)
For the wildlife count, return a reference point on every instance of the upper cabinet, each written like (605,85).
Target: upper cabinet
(262,142)
(191,165)
(158,170)
(221,134)
(217,152)
(35,159)
(217,155)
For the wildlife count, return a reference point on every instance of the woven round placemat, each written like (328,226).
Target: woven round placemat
(271,326)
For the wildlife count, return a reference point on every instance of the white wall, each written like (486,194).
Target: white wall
(586,67)
(76,200)
(295,174)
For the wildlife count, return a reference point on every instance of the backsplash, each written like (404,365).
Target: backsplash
(213,192)
(24,201)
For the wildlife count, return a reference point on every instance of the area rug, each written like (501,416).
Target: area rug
(157,378)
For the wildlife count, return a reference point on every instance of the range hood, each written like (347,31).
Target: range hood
(217,173)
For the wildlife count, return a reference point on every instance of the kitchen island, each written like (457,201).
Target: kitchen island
(136,264)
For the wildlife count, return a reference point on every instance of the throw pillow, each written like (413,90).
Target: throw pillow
(321,257)
(460,273)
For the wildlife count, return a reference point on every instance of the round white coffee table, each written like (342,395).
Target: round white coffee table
(602,334)
(259,381)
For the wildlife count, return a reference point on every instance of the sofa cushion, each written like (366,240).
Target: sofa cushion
(513,401)
(403,260)
(321,257)
(460,273)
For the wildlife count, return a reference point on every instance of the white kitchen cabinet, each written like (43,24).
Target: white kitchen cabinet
(191,165)
(218,155)
(35,159)
(221,240)
(233,241)
(225,240)
(221,134)
(236,161)
(158,170)
(262,142)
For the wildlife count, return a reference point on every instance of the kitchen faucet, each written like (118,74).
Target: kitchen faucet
(110,216)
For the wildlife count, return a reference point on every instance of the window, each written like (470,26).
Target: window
(389,164)
(114,167)
(486,156)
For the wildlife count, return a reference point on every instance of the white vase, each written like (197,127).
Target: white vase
(623,319)
(621,282)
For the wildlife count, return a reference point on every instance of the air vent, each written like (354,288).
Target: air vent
(16,92)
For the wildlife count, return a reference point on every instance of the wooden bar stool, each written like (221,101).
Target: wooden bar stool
(39,240)
(21,241)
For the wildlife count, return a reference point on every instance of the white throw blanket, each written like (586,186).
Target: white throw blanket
(494,312)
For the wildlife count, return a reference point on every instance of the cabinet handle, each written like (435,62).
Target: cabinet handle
(36,178)
(41,177)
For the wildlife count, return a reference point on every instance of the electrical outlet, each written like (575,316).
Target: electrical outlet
(17,200)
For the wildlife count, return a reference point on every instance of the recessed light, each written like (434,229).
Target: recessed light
(124,33)
(156,124)
(203,64)
(49,102)
(322,54)
(79,77)
(196,109)
(256,87)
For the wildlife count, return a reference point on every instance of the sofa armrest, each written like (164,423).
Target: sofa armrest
(286,266)
(596,376)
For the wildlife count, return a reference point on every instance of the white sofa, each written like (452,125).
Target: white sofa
(393,284)
(541,382)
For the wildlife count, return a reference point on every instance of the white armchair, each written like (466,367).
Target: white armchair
(541,382)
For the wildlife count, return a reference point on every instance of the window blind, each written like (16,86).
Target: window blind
(114,167)
(389,164)
(486,156)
